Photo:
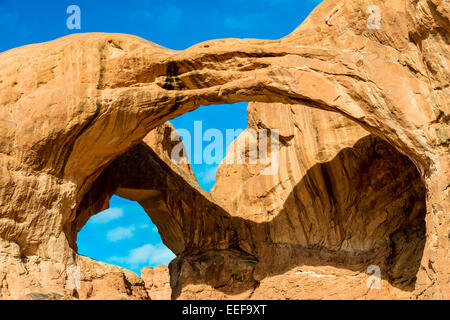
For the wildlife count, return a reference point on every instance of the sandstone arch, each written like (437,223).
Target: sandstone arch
(342,200)
(71,106)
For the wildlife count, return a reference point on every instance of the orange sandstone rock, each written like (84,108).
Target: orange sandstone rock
(74,109)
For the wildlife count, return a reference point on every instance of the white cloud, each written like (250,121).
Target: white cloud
(208,176)
(146,255)
(107,215)
(120,233)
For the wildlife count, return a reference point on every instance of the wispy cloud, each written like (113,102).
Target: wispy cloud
(107,215)
(120,233)
(146,255)
(208,176)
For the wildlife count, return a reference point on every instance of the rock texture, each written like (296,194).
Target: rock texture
(342,200)
(74,109)
(157,282)
(32,278)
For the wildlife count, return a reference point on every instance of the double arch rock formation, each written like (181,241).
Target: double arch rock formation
(75,114)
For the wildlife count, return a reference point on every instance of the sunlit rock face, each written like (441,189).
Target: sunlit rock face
(157,282)
(342,200)
(351,184)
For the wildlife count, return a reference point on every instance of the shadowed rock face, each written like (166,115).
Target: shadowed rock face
(342,200)
(79,106)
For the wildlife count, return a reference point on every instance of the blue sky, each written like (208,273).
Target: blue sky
(124,234)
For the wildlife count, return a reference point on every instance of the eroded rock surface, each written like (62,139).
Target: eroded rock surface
(342,200)
(80,106)
(157,282)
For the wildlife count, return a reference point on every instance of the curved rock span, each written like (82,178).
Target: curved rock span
(363,179)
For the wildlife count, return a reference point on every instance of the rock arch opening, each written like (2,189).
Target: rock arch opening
(123,235)
(141,175)
(342,199)
(69,135)
(206,133)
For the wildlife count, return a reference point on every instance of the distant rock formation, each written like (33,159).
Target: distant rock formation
(157,282)
(363,181)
